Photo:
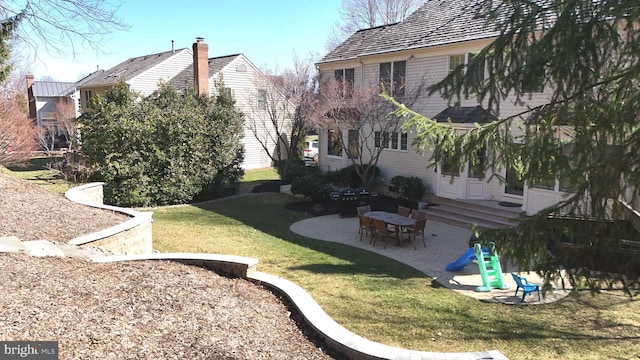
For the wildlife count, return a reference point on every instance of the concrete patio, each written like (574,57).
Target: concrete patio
(445,244)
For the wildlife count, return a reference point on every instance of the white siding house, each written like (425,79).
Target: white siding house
(143,74)
(245,82)
(429,42)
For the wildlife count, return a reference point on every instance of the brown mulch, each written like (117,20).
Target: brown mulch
(31,212)
(135,310)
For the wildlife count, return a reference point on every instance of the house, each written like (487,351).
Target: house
(193,68)
(419,51)
(253,93)
(50,104)
(142,74)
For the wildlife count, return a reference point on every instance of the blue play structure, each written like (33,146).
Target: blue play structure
(462,261)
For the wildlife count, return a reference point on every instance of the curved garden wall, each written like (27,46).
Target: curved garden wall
(130,237)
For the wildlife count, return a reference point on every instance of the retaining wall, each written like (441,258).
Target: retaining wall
(133,236)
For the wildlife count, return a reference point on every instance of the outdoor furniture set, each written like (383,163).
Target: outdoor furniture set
(384,225)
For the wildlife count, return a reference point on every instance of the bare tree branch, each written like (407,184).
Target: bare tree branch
(17,134)
(363,14)
(60,26)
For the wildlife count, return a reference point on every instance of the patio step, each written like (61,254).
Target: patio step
(462,213)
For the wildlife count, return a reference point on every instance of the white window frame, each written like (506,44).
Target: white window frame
(401,140)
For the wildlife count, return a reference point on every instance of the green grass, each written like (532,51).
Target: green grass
(36,172)
(391,303)
(260,175)
(381,299)
(252,178)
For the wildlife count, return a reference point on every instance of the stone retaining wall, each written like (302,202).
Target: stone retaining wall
(130,237)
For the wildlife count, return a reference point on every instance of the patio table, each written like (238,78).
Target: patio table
(398,221)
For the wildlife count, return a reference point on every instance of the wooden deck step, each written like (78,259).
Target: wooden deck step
(463,213)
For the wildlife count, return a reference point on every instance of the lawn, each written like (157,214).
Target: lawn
(36,171)
(391,303)
(381,299)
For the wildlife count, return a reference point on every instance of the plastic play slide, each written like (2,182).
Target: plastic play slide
(462,261)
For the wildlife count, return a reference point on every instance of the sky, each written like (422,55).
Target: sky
(267,32)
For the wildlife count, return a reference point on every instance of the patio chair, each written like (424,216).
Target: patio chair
(363,209)
(415,230)
(404,211)
(381,231)
(418,214)
(366,226)
(527,288)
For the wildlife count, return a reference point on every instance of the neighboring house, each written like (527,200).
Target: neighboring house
(193,68)
(143,74)
(421,51)
(250,89)
(52,104)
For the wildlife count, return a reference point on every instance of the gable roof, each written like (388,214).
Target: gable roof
(89,77)
(130,68)
(436,22)
(184,79)
(465,115)
(53,88)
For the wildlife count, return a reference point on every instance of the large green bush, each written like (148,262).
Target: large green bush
(168,148)
(298,169)
(312,186)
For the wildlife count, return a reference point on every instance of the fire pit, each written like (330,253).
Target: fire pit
(349,199)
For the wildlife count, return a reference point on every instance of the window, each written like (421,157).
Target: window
(352,140)
(448,167)
(532,76)
(476,167)
(87,97)
(345,79)
(262,99)
(455,61)
(548,184)
(334,146)
(227,91)
(392,76)
(474,70)
(391,140)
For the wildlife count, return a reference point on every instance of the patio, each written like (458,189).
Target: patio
(445,244)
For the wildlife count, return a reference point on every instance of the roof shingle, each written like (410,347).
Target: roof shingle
(129,68)
(185,78)
(436,22)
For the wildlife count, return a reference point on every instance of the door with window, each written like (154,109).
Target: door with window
(468,182)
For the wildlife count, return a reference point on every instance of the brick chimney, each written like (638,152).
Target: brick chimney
(31,99)
(201,66)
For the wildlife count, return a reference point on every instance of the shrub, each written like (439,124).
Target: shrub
(347,177)
(296,170)
(169,148)
(408,188)
(311,186)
